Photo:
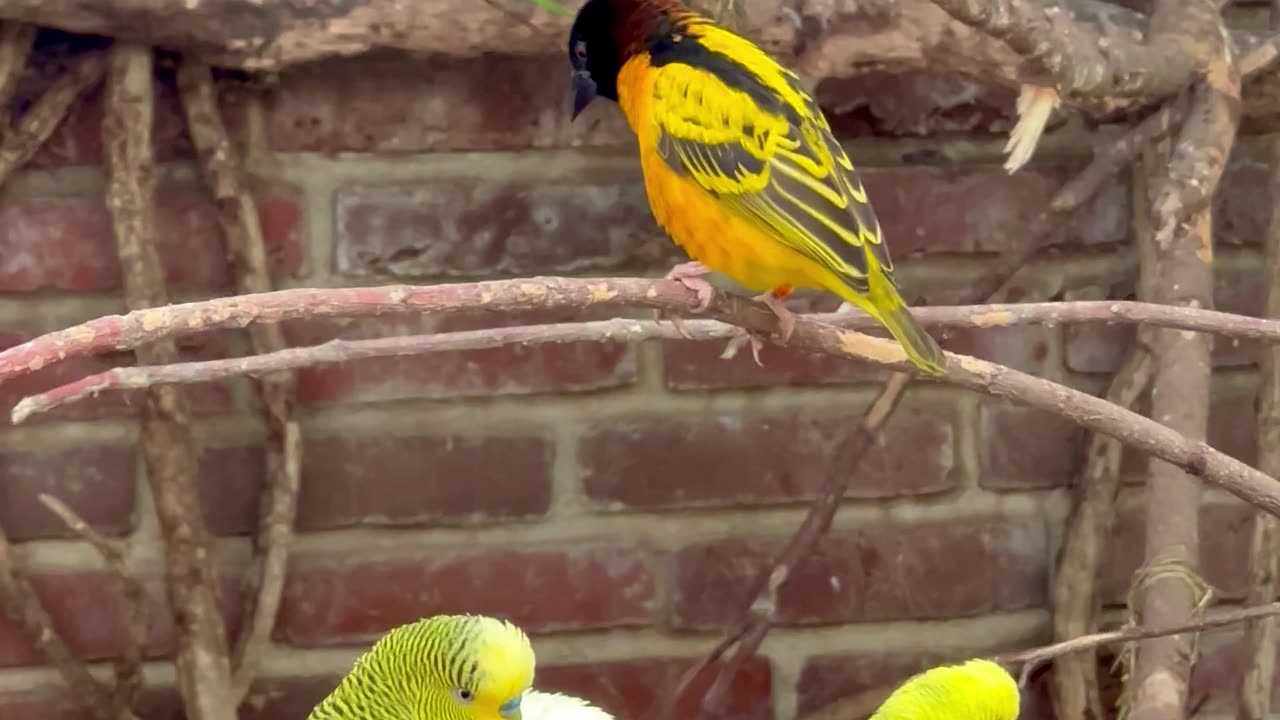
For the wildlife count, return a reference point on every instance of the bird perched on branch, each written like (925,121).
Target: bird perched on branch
(449,667)
(974,690)
(739,163)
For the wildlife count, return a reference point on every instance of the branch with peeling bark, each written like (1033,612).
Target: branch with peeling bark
(627,330)
(142,327)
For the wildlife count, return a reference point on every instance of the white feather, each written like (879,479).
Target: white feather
(554,706)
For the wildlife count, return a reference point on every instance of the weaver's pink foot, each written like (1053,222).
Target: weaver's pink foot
(690,275)
(786,318)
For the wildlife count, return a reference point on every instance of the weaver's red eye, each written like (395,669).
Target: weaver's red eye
(580,49)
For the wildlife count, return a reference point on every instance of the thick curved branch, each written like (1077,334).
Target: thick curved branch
(149,325)
(624,330)
(825,39)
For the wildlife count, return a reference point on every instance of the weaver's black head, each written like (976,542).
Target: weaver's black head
(594,54)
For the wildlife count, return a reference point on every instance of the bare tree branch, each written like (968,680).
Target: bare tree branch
(625,330)
(129,664)
(204,676)
(16,40)
(239,214)
(150,325)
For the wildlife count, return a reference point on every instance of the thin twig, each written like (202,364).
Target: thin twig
(223,170)
(16,40)
(625,330)
(129,664)
(22,604)
(203,669)
(39,122)
(1074,684)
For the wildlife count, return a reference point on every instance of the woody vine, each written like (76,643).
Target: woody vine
(1171,71)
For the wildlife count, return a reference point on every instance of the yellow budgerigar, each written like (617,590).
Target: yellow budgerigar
(974,690)
(449,667)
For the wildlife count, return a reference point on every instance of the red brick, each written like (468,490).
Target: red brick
(874,574)
(1215,678)
(343,601)
(1242,205)
(915,104)
(1224,551)
(78,140)
(472,228)
(663,462)
(205,398)
(96,482)
(1096,348)
(697,365)
(89,613)
(507,370)
(639,689)
(1023,448)
(1021,348)
(287,698)
(490,102)
(66,243)
(388,481)
(995,208)
(824,679)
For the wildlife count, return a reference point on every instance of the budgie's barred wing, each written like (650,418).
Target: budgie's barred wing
(974,690)
(554,706)
(776,164)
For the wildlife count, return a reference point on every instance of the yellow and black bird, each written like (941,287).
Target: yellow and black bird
(739,163)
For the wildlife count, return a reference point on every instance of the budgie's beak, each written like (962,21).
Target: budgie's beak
(510,710)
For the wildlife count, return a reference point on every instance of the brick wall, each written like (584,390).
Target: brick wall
(615,500)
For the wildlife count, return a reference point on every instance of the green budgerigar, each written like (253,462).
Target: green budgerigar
(974,690)
(449,667)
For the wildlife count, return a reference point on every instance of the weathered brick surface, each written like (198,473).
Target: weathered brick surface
(209,398)
(434,104)
(57,703)
(1232,428)
(89,613)
(914,104)
(508,370)
(876,574)
(469,228)
(1224,552)
(1023,448)
(349,481)
(650,463)
(95,481)
(697,365)
(65,243)
(349,600)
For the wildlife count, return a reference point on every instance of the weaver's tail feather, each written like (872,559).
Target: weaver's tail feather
(894,314)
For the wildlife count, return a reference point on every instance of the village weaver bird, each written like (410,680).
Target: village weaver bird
(449,667)
(740,165)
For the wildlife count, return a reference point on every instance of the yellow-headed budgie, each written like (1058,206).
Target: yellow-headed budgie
(975,690)
(449,667)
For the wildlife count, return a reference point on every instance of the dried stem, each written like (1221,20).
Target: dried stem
(1074,682)
(21,603)
(38,123)
(240,223)
(203,670)
(1264,544)
(129,664)
(15,45)
(1180,386)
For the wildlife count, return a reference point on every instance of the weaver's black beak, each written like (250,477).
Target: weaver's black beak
(584,91)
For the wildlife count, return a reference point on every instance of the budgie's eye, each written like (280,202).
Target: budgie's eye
(464,695)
